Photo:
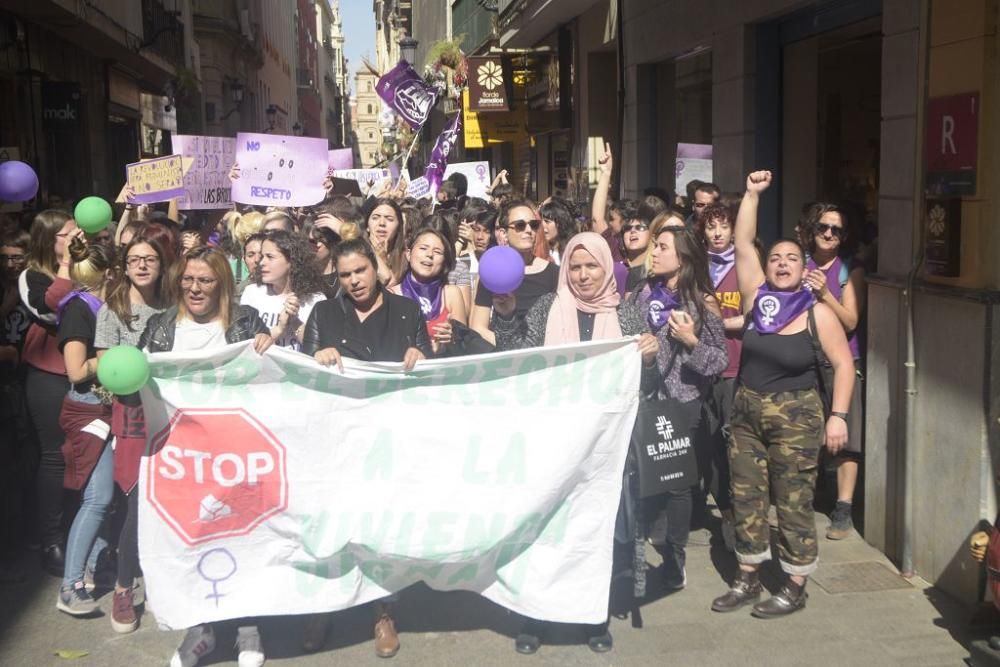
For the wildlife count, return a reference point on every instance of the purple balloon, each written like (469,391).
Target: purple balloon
(18,181)
(501,269)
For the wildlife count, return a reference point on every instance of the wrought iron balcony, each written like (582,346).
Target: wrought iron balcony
(162,31)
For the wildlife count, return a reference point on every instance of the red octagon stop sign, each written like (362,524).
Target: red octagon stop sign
(216,473)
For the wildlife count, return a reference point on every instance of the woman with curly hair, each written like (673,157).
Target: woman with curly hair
(287,284)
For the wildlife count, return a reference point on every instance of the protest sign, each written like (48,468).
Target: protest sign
(694,162)
(341,158)
(274,486)
(418,188)
(476,173)
(206,183)
(158,179)
(280,170)
(363,176)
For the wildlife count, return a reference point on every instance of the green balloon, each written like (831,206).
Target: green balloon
(92,214)
(123,370)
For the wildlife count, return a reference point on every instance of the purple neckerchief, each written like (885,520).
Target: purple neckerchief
(427,295)
(92,301)
(833,284)
(773,310)
(621,277)
(659,302)
(719,264)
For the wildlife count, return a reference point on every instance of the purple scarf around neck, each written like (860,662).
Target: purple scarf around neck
(660,302)
(773,310)
(427,295)
(92,302)
(719,264)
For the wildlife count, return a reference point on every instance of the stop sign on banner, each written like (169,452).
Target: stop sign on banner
(216,473)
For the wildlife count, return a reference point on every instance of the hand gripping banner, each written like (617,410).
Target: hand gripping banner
(275,486)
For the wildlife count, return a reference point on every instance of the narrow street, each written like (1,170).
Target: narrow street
(859,613)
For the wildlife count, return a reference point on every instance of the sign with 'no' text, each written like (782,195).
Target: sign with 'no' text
(275,486)
(280,170)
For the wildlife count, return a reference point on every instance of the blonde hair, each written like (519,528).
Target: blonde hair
(242,225)
(91,263)
(216,261)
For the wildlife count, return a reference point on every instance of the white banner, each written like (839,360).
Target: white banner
(276,486)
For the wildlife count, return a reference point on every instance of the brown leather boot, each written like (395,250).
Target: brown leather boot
(386,639)
(788,600)
(745,590)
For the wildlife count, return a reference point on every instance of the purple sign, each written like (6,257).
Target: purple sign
(341,158)
(280,170)
(407,94)
(439,156)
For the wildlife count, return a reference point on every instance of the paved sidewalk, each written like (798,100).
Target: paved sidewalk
(912,625)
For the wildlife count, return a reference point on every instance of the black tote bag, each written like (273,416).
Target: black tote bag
(663,448)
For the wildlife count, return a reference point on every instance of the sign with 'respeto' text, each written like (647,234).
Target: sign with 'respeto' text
(280,170)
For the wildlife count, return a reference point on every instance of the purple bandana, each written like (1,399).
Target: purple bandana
(92,301)
(660,302)
(773,310)
(719,264)
(427,295)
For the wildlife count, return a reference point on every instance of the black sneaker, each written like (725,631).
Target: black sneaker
(76,601)
(841,524)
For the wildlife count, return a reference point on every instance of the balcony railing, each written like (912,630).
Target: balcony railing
(303,77)
(162,32)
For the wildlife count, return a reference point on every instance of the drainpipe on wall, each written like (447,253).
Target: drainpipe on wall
(910,366)
(619,143)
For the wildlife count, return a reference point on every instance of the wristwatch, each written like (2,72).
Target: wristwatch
(842,415)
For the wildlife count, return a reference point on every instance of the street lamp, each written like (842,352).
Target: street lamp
(236,92)
(272,117)
(408,48)
(297,129)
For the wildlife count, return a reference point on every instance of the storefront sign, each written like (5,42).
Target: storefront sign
(61,105)
(481,130)
(943,218)
(488,85)
(952,144)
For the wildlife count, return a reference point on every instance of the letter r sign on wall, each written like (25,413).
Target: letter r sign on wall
(952,144)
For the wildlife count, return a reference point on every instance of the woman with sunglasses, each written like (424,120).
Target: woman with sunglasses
(585,306)
(206,318)
(519,220)
(777,423)
(839,283)
(139,291)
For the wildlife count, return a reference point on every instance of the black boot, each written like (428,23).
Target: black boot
(599,638)
(745,590)
(530,637)
(789,599)
(54,560)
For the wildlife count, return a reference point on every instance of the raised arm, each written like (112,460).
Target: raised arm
(749,274)
(599,208)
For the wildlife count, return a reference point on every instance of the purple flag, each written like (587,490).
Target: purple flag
(439,156)
(407,94)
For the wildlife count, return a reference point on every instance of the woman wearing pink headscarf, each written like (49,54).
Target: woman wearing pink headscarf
(585,306)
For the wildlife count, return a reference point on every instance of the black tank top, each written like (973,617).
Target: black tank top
(771,362)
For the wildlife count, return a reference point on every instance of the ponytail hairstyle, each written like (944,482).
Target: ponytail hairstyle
(91,263)
(118,290)
(42,250)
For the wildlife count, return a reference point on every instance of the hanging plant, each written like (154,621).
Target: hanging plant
(444,59)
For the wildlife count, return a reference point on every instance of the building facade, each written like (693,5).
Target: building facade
(365,116)
(309,121)
(333,72)
(275,84)
(78,100)
(831,96)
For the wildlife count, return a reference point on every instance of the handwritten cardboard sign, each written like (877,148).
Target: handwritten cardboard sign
(280,170)
(206,183)
(341,158)
(363,176)
(159,179)
(477,173)
(418,188)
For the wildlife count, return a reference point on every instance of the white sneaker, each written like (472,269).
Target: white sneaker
(249,646)
(729,535)
(199,641)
